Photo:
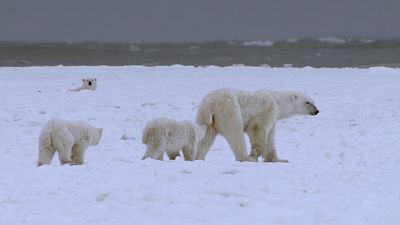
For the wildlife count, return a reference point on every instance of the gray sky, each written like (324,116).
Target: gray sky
(201,20)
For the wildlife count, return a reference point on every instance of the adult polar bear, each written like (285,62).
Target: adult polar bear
(231,112)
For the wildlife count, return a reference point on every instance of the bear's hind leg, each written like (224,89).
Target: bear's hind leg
(257,138)
(154,151)
(229,123)
(237,143)
(205,144)
(173,154)
(160,156)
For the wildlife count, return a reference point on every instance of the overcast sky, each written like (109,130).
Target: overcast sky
(201,20)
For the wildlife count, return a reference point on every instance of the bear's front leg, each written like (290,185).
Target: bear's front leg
(78,154)
(270,152)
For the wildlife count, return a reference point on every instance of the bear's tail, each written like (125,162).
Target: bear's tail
(204,116)
(145,135)
(144,138)
(46,151)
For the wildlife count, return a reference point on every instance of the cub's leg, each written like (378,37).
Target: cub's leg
(64,153)
(173,154)
(46,154)
(78,154)
(154,151)
(189,152)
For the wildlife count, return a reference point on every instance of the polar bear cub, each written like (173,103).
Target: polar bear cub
(87,84)
(69,138)
(170,136)
(233,112)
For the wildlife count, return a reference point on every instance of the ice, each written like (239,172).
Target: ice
(334,40)
(258,43)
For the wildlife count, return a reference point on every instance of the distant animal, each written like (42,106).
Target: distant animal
(69,138)
(232,112)
(166,135)
(87,84)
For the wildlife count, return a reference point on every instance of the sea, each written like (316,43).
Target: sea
(314,52)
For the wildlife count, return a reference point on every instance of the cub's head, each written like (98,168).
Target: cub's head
(302,104)
(97,136)
(89,83)
(200,131)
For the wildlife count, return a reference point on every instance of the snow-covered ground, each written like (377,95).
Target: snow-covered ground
(344,163)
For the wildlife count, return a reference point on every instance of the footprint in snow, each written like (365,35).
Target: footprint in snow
(102,197)
(242,205)
(230,172)
(126,137)
(148,104)
(226,194)
(186,172)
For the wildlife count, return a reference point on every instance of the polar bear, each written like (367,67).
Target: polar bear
(170,136)
(87,84)
(232,112)
(69,138)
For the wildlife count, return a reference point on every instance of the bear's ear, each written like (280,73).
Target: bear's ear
(95,79)
(293,97)
(83,80)
(100,130)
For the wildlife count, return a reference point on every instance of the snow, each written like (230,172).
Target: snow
(343,164)
(333,40)
(292,40)
(258,43)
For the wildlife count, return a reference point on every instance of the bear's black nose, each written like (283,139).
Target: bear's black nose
(316,112)
(90,83)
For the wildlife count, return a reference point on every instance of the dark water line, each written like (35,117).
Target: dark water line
(328,52)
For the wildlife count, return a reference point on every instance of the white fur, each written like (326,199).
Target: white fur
(69,138)
(231,112)
(170,136)
(87,84)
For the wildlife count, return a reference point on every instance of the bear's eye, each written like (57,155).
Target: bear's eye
(307,103)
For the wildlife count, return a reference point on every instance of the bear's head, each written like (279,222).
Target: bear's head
(302,104)
(89,83)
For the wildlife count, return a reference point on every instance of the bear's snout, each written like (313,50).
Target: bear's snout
(315,112)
